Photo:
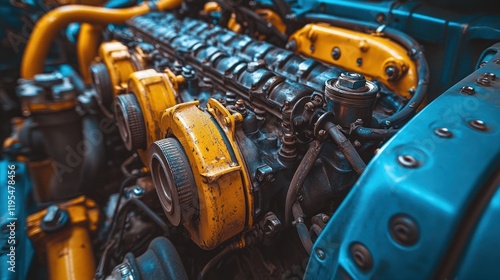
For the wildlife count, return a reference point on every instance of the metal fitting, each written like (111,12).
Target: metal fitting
(351,80)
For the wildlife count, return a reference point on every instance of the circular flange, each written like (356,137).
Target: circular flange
(130,122)
(103,86)
(174,180)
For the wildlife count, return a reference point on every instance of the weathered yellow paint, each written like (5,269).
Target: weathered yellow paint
(86,48)
(155,93)
(375,51)
(273,18)
(55,106)
(222,181)
(68,251)
(117,59)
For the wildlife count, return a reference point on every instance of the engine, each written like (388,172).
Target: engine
(194,139)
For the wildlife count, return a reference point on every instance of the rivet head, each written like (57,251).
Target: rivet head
(443,132)
(408,161)
(403,230)
(361,256)
(467,90)
(320,253)
(335,53)
(479,125)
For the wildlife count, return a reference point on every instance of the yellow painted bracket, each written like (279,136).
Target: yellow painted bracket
(220,178)
(373,55)
(155,93)
(117,59)
(67,251)
(228,123)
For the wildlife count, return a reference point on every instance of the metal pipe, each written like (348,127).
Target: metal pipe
(300,176)
(302,231)
(346,147)
(86,48)
(414,51)
(54,21)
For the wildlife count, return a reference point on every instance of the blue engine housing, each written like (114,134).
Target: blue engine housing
(450,198)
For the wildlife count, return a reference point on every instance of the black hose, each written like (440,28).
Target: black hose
(125,183)
(345,147)
(215,260)
(414,51)
(300,176)
(377,134)
(152,215)
(302,231)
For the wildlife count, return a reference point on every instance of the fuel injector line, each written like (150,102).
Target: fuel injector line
(414,51)
(299,177)
(345,147)
(302,231)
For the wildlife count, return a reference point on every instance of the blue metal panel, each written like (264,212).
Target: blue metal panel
(436,194)
(481,257)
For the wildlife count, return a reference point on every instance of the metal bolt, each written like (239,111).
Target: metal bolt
(497,61)
(408,161)
(403,230)
(312,48)
(361,256)
(359,61)
(336,53)
(467,90)
(137,191)
(320,253)
(321,133)
(443,132)
(292,45)
(351,80)
(479,125)
(309,106)
(54,219)
(380,18)
(357,144)
(391,72)
(325,218)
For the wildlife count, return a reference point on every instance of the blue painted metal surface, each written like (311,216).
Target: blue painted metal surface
(436,195)
(24,205)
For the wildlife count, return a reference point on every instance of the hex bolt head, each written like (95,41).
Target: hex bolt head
(54,219)
(361,256)
(351,80)
(403,230)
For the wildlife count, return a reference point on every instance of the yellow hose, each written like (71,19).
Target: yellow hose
(86,48)
(54,21)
